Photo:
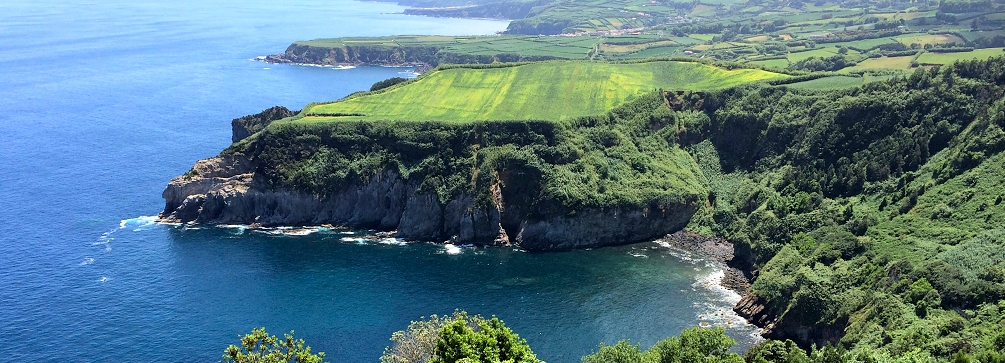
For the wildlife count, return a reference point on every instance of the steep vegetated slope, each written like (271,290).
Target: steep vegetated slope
(873,215)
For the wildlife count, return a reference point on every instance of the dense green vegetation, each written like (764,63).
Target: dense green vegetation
(872,213)
(261,347)
(608,160)
(458,338)
(693,345)
(535,91)
(858,169)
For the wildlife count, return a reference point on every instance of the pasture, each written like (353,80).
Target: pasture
(947,58)
(537,91)
(903,62)
(932,39)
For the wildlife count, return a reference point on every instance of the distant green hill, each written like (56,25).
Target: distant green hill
(549,91)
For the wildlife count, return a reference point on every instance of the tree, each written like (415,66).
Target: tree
(458,338)
(260,347)
(484,341)
(417,343)
(693,345)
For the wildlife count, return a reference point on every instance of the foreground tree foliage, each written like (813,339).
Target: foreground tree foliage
(260,347)
(458,338)
(693,345)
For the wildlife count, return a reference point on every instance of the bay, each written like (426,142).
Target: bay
(102,102)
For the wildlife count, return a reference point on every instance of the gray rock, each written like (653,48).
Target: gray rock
(229,190)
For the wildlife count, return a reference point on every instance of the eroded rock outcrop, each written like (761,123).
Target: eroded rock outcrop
(229,189)
(248,125)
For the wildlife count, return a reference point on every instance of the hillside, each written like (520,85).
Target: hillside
(537,91)
(868,216)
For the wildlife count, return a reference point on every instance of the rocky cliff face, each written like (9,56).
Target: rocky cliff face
(248,125)
(419,55)
(228,189)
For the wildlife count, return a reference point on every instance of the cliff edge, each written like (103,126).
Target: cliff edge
(526,183)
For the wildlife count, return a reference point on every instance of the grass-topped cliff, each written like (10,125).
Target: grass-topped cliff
(554,154)
(550,91)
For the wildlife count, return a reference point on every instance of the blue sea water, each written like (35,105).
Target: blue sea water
(103,102)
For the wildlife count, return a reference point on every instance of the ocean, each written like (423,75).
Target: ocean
(103,102)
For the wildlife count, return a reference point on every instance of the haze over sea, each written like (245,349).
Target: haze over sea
(105,101)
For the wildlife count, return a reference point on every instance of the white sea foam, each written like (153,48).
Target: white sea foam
(238,228)
(718,310)
(105,240)
(87,261)
(103,279)
(300,232)
(356,240)
(392,241)
(288,231)
(139,223)
(450,249)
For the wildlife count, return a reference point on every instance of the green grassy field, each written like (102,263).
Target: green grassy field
(947,58)
(933,39)
(820,52)
(780,63)
(536,91)
(881,63)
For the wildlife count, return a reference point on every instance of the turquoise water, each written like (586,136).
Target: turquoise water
(101,103)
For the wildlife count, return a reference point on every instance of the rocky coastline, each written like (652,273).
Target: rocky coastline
(735,277)
(737,261)
(231,189)
(286,58)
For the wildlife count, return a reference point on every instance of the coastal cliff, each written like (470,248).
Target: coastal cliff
(346,55)
(526,183)
(388,52)
(228,189)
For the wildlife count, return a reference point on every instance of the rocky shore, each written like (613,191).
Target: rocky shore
(285,58)
(721,250)
(738,276)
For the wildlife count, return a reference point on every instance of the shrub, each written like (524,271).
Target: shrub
(417,343)
(693,345)
(476,340)
(387,83)
(458,338)
(260,347)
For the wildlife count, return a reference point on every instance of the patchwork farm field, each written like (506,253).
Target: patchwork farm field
(947,58)
(780,63)
(820,52)
(933,39)
(903,62)
(537,91)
